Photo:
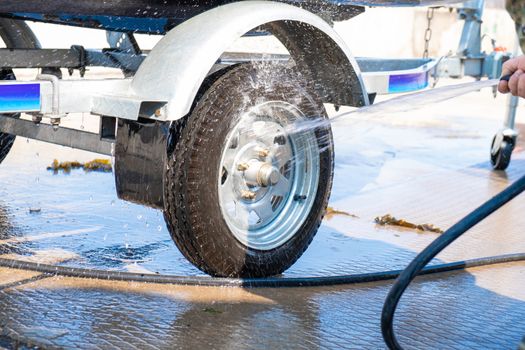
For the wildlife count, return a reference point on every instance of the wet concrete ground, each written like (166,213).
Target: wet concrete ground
(428,166)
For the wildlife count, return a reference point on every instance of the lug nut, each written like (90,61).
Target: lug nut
(37,119)
(263,152)
(248,194)
(55,122)
(243,166)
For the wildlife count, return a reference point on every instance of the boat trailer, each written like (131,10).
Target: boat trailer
(188,124)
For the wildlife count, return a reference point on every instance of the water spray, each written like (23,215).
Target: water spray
(404,103)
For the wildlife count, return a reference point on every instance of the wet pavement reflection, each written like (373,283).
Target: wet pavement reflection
(448,311)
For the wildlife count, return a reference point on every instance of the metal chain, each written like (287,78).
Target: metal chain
(428,31)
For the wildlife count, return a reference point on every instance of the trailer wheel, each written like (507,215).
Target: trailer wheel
(243,196)
(14,34)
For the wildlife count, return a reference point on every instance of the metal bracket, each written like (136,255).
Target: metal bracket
(469,60)
(55,106)
(470,42)
(82,60)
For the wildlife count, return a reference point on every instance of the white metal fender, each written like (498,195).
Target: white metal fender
(179,63)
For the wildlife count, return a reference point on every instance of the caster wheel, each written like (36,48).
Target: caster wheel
(243,197)
(500,155)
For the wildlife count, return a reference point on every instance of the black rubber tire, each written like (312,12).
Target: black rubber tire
(501,160)
(14,34)
(191,205)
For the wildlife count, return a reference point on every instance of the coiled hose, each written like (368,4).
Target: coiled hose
(422,259)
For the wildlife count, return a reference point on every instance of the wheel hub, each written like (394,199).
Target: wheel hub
(261,174)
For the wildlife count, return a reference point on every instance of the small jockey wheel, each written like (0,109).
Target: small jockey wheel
(501,149)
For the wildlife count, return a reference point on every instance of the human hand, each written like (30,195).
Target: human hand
(514,67)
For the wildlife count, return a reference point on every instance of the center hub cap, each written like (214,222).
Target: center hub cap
(261,174)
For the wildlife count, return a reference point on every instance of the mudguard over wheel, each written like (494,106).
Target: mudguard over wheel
(244,196)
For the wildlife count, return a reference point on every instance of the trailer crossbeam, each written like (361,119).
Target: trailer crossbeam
(68,137)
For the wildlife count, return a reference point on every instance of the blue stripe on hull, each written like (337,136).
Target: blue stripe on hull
(407,82)
(19,98)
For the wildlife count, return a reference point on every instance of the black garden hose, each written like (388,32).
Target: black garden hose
(422,259)
(54,270)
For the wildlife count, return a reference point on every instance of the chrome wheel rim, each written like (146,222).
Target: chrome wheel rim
(268,178)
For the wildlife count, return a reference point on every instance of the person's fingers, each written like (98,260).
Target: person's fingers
(521,86)
(503,86)
(510,66)
(513,82)
(515,68)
